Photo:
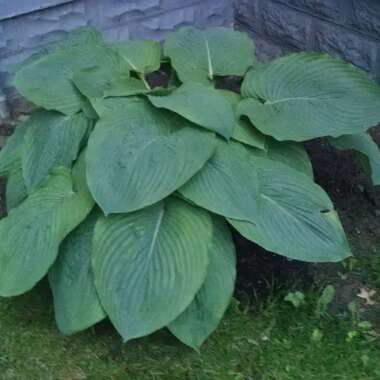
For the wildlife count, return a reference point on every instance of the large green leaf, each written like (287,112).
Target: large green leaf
(52,140)
(76,302)
(307,95)
(149,264)
(290,232)
(244,131)
(103,81)
(10,154)
(202,105)
(290,153)
(296,218)
(138,155)
(15,191)
(200,55)
(369,153)
(31,233)
(89,110)
(107,107)
(278,207)
(227,185)
(10,166)
(47,81)
(141,56)
(203,315)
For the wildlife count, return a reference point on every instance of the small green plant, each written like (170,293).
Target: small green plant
(325,301)
(123,192)
(297,298)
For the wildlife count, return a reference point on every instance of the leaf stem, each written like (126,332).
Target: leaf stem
(142,77)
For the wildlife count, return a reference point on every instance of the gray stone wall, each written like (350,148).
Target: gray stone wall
(346,28)
(27,25)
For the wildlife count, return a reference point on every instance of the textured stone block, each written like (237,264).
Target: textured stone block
(207,13)
(122,12)
(247,12)
(245,8)
(3,40)
(265,48)
(352,46)
(14,8)
(40,28)
(118,18)
(366,16)
(333,26)
(333,9)
(286,25)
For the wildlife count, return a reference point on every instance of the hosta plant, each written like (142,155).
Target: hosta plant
(124,192)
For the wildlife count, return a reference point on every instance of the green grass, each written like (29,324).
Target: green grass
(277,342)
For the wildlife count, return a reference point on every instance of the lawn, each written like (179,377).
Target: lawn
(278,342)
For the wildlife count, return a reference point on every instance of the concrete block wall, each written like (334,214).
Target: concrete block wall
(27,25)
(345,28)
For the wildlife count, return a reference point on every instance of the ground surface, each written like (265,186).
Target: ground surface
(263,337)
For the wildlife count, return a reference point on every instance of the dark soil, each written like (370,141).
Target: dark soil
(357,202)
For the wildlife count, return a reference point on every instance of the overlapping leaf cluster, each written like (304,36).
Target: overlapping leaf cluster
(123,193)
